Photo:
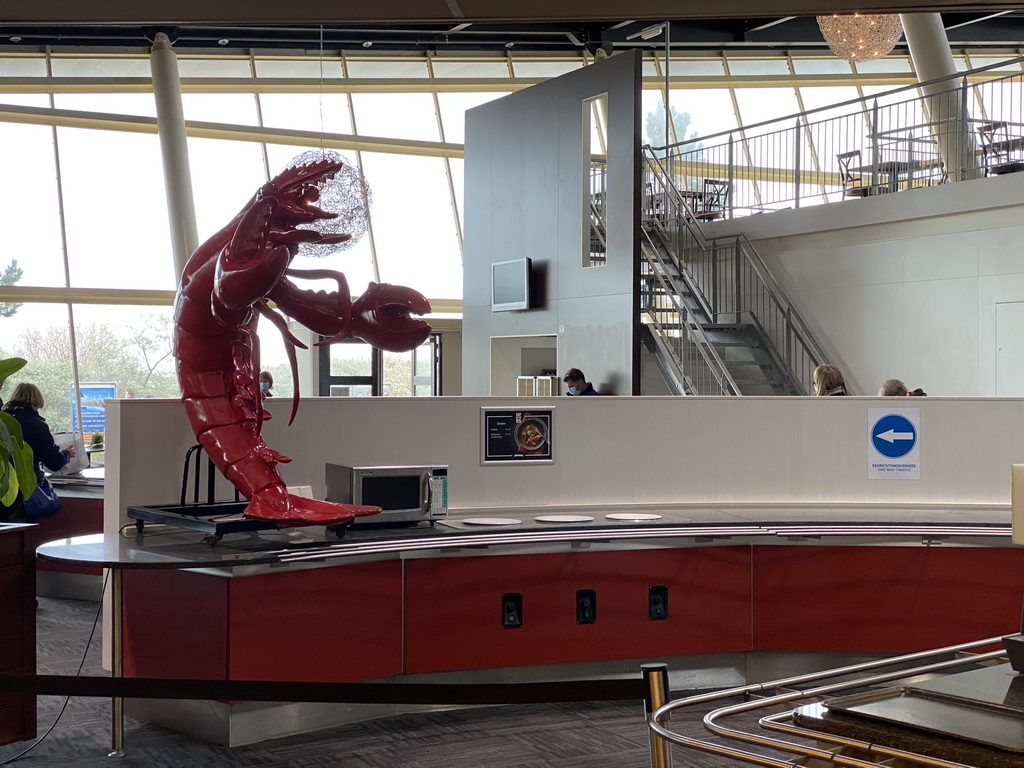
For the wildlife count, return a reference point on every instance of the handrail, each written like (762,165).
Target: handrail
(779,294)
(859,100)
(792,347)
(658,717)
(693,224)
(902,139)
(689,324)
(684,275)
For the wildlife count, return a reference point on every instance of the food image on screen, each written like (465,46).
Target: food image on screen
(530,435)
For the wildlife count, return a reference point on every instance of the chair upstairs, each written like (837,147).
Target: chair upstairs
(998,148)
(715,199)
(851,176)
(940,176)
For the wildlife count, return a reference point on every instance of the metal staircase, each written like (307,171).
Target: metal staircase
(714,318)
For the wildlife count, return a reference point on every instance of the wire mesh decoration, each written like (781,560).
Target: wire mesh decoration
(347,195)
(861,36)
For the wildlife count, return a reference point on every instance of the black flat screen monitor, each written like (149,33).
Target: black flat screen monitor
(510,285)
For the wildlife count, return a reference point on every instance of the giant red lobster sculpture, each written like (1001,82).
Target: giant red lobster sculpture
(225,289)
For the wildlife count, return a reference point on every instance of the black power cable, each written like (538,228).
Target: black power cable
(81,666)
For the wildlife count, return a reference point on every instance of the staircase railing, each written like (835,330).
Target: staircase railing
(695,363)
(730,280)
(688,357)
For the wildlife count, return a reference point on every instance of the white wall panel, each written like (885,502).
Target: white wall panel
(999,251)
(940,326)
(861,328)
(608,451)
(940,258)
(903,286)
(524,197)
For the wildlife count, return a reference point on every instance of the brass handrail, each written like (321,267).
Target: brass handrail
(660,715)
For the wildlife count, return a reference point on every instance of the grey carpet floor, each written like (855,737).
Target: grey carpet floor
(575,735)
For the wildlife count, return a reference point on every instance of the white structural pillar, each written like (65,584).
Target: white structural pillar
(929,50)
(170,118)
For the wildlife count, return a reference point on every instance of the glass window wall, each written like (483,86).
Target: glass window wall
(415,239)
(115,208)
(29,207)
(396,115)
(415,67)
(22,67)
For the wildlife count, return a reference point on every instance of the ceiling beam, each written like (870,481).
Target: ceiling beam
(316,12)
(69,118)
(770,24)
(977,20)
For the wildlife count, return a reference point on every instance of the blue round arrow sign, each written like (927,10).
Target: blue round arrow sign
(893,436)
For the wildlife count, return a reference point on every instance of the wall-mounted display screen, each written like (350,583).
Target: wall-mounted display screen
(511,435)
(510,285)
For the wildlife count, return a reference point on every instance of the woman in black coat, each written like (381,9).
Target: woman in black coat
(24,405)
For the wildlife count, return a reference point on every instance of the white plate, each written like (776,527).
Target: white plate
(632,516)
(491,521)
(563,519)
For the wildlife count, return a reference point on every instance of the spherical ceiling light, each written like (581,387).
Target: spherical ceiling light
(347,195)
(861,36)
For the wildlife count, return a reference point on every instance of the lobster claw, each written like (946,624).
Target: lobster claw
(382,317)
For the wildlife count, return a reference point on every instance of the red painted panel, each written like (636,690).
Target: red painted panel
(883,599)
(175,625)
(77,517)
(453,607)
(340,624)
(17,631)
(12,546)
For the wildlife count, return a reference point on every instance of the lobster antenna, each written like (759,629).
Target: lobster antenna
(289,348)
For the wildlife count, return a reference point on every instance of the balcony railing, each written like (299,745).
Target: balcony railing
(962,127)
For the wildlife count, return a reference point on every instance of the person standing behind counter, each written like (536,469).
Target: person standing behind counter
(896,388)
(266,383)
(577,384)
(829,382)
(893,388)
(24,405)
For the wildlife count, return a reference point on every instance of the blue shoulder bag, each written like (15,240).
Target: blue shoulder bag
(44,501)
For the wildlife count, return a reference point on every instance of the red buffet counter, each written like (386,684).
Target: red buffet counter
(292,605)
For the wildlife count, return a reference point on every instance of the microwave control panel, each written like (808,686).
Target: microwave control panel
(439,494)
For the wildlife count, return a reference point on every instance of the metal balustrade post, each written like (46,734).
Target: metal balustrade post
(874,144)
(731,177)
(965,136)
(656,675)
(738,269)
(790,361)
(796,164)
(116,660)
(715,299)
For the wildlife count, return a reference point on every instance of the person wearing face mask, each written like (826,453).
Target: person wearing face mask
(266,382)
(577,384)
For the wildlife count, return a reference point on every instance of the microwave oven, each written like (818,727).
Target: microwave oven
(404,494)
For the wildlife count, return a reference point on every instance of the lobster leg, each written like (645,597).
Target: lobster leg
(326,313)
